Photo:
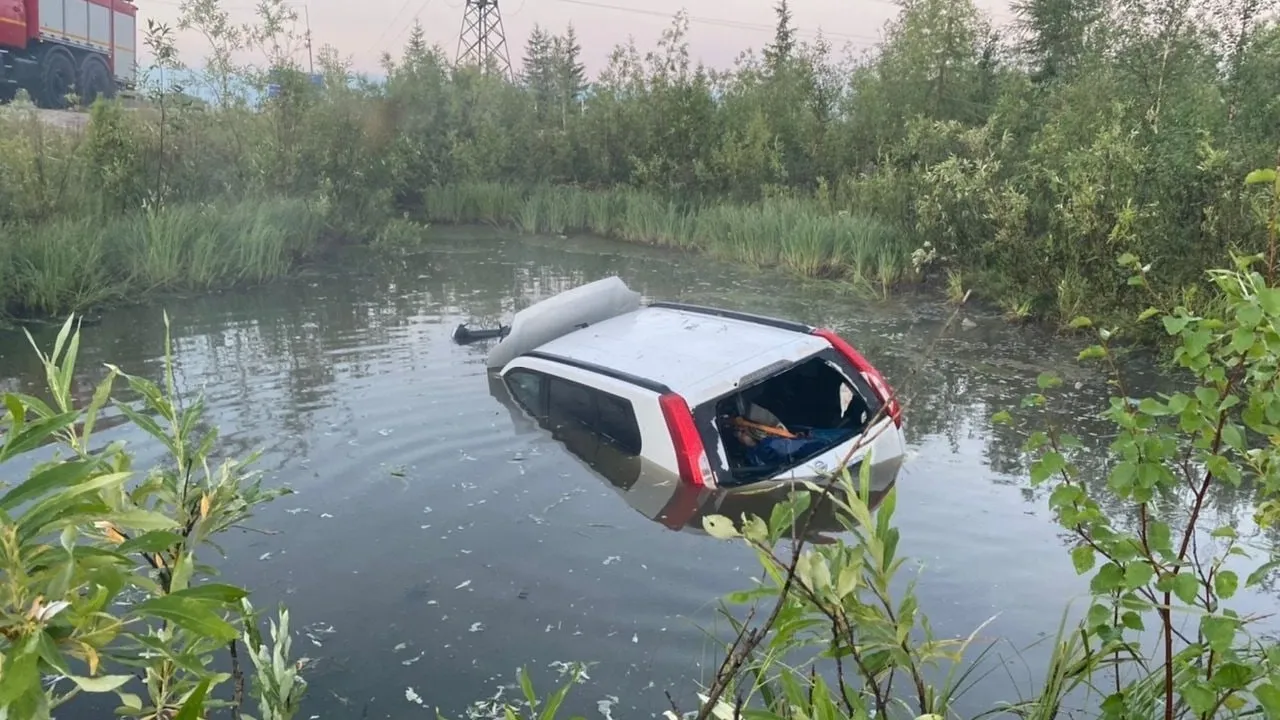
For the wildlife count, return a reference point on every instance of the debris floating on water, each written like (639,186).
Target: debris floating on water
(264,556)
(463,584)
(399,647)
(412,660)
(476,627)
(612,559)
(412,696)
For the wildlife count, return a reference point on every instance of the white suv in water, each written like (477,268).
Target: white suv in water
(717,397)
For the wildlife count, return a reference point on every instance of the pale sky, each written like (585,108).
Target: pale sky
(719,29)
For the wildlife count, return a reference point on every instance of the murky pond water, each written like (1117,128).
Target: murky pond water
(435,543)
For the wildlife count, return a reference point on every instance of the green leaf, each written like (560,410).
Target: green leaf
(754,529)
(1046,467)
(1133,621)
(1232,436)
(1249,316)
(193,708)
(1002,418)
(1159,537)
(182,572)
(152,542)
(1260,176)
(189,613)
(146,520)
(1083,557)
(48,649)
(1269,697)
(1200,698)
(1080,322)
(1186,587)
(63,474)
(1127,259)
(719,527)
(1219,631)
(1109,577)
(1152,407)
(1099,616)
(1241,340)
(102,683)
(1048,380)
(1261,572)
(219,592)
(1093,352)
(1114,705)
(1174,325)
(1232,676)
(1148,314)
(1137,574)
(33,434)
(1225,584)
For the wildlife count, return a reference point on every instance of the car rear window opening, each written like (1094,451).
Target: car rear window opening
(775,424)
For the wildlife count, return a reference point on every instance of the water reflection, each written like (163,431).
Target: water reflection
(414,478)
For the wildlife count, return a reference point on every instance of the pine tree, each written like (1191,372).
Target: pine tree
(415,50)
(778,53)
(1057,34)
(539,68)
(570,73)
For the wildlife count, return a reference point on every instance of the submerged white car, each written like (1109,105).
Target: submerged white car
(718,398)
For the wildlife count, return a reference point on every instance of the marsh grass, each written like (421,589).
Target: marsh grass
(51,266)
(791,233)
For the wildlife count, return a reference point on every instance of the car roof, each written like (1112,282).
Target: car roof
(695,353)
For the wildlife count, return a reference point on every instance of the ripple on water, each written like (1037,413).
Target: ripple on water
(423,516)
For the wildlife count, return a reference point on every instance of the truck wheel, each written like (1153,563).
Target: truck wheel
(95,81)
(58,73)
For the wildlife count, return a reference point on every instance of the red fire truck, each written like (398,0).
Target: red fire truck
(53,48)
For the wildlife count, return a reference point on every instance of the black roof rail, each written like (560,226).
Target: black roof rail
(779,323)
(645,383)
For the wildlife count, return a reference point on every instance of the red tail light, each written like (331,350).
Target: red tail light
(691,456)
(873,376)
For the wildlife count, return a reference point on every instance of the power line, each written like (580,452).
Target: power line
(390,23)
(405,28)
(719,22)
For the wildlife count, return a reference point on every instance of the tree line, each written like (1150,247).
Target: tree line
(1014,161)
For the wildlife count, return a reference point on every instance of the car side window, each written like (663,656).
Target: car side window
(570,402)
(600,412)
(618,422)
(526,388)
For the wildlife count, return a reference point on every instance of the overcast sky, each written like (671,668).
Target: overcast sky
(719,29)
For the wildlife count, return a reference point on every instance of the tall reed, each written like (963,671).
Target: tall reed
(51,266)
(794,234)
